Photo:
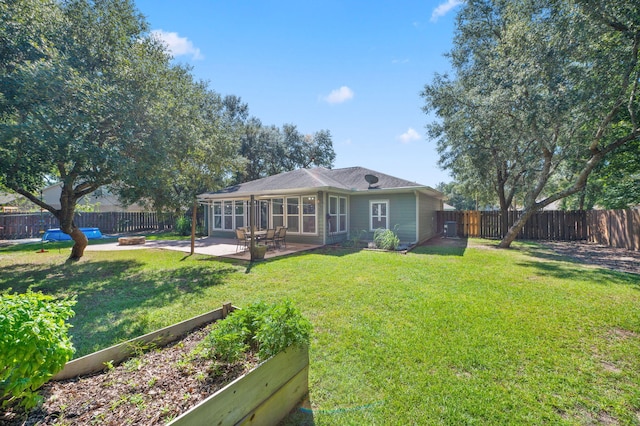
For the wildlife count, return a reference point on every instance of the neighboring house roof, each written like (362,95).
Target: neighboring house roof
(103,199)
(6,198)
(347,180)
(446,206)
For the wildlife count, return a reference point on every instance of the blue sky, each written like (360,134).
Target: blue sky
(355,68)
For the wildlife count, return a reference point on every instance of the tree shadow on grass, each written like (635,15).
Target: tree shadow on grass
(115,299)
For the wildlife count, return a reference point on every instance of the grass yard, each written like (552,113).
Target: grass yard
(442,335)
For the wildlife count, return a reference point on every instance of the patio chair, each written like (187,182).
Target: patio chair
(270,237)
(281,236)
(242,239)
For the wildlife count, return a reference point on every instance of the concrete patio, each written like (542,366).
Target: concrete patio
(211,246)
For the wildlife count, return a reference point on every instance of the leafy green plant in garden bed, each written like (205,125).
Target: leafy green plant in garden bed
(35,344)
(386,239)
(267,328)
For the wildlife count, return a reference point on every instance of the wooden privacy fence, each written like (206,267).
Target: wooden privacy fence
(615,228)
(544,225)
(30,225)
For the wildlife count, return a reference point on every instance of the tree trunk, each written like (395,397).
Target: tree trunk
(81,242)
(516,228)
(583,196)
(65,217)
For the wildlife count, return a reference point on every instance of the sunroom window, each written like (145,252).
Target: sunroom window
(309,215)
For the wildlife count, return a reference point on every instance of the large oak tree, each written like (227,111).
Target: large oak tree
(541,87)
(86,96)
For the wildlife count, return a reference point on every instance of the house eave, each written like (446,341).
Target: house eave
(204,198)
(422,189)
(207,198)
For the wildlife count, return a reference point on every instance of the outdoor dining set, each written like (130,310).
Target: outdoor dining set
(272,238)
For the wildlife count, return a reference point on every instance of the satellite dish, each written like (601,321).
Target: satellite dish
(371,179)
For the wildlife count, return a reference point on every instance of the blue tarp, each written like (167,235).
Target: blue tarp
(56,234)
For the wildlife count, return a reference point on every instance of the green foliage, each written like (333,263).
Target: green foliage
(466,195)
(269,150)
(386,239)
(183,225)
(618,178)
(268,328)
(89,97)
(35,344)
(539,88)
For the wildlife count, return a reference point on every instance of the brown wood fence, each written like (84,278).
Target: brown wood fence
(30,225)
(615,228)
(545,225)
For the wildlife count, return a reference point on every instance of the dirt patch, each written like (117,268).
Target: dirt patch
(152,388)
(598,255)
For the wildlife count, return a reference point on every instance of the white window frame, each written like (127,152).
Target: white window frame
(215,204)
(379,216)
(297,214)
(243,206)
(230,215)
(304,215)
(283,205)
(338,214)
(300,214)
(222,215)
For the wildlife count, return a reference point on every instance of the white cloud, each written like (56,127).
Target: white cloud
(339,96)
(408,136)
(178,46)
(444,8)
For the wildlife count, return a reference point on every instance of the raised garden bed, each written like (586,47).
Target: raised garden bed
(137,391)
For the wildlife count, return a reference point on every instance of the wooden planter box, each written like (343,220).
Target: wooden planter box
(263,396)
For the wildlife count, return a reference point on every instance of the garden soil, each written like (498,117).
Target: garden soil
(150,389)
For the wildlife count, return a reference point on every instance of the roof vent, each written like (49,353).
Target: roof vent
(371,179)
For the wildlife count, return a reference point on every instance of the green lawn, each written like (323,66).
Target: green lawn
(437,336)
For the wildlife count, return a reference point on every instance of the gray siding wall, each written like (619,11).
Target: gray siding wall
(402,215)
(428,206)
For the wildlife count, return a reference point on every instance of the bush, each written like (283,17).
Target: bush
(35,344)
(183,226)
(386,239)
(267,328)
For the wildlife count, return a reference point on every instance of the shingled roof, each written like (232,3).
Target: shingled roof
(350,179)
